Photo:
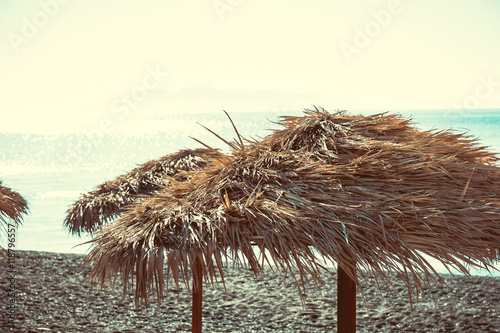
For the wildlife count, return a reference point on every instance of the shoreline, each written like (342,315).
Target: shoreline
(52,295)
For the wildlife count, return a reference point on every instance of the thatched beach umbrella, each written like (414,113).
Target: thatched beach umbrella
(12,208)
(371,193)
(110,199)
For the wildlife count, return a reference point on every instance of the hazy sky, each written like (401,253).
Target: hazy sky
(81,59)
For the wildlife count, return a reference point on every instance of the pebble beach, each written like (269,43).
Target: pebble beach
(52,294)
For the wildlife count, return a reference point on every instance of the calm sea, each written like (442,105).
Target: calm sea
(52,170)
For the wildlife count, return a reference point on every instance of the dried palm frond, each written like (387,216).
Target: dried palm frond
(111,198)
(371,193)
(12,205)
(12,208)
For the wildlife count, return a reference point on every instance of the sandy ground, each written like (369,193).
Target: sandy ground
(52,295)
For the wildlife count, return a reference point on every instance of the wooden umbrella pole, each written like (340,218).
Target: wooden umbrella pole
(346,303)
(197,295)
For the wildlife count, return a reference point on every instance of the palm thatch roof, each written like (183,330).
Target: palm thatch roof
(111,198)
(371,193)
(12,205)
(12,208)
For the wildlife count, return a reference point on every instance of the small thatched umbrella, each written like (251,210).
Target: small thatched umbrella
(12,208)
(111,199)
(371,193)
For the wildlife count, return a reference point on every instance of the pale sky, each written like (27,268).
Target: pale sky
(65,63)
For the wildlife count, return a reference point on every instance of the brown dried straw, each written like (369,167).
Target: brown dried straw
(12,208)
(371,193)
(12,205)
(112,198)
